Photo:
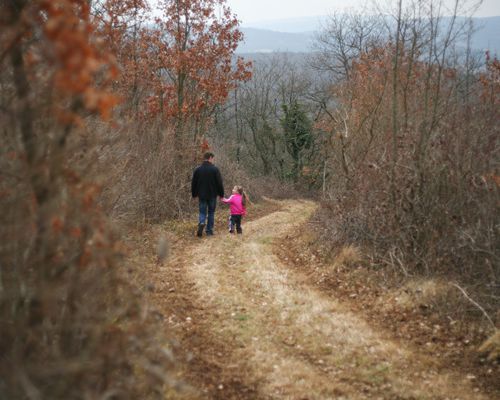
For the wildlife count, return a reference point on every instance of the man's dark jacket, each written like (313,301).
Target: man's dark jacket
(207,182)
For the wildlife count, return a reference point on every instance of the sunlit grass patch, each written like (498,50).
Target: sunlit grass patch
(182,227)
(348,256)
(429,293)
(265,240)
(375,374)
(241,317)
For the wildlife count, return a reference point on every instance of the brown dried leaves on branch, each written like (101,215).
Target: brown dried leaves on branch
(71,327)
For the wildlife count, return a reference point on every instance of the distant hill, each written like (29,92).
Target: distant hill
(297,34)
(267,41)
(487,36)
(290,25)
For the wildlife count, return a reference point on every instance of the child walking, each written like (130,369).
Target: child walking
(237,203)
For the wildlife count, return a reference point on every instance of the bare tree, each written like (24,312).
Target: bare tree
(341,40)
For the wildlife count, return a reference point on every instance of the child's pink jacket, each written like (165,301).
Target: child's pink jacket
(235,204)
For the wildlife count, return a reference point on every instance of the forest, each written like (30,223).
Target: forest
(387,134)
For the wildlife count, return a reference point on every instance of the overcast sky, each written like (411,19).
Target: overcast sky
(259,10)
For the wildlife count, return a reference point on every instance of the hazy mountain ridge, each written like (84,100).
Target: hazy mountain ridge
(266,41)
(297,35)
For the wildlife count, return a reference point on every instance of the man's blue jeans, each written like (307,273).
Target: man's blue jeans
(210,206)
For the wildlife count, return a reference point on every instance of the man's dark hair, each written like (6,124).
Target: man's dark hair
(208,155)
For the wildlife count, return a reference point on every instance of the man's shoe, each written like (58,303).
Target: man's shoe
(210,233)
(199,232)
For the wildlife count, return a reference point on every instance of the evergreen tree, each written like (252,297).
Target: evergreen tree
(297,128)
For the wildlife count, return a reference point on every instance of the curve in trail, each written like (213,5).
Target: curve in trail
(295,341)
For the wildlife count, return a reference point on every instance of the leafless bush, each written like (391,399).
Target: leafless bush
(71,326)
(256,186)
(142,177)
(413,167)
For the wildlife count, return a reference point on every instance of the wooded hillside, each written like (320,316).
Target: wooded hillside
(106,107)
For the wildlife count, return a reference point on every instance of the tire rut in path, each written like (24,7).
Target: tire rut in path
(286,335)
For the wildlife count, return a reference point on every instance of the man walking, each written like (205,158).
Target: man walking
(207,185)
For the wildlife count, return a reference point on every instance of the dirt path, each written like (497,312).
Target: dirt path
(258,330)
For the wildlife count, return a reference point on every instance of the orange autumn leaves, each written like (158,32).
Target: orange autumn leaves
(192,46)
(79,66)
(183,62)
(490,81)
(180,65)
